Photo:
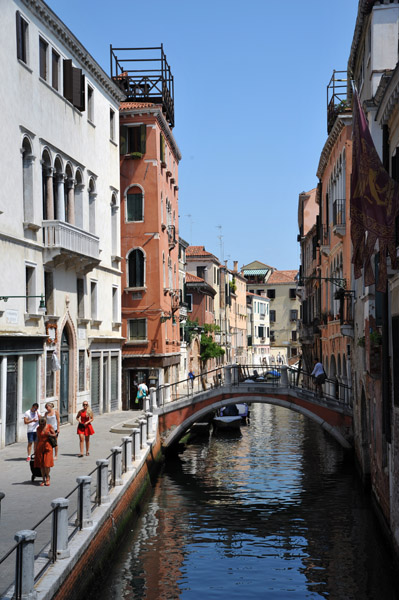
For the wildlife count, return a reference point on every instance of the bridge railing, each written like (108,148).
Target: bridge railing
(274,376)
(169,392)
(48,541)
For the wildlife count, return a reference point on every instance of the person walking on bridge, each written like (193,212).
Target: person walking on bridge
(319,376)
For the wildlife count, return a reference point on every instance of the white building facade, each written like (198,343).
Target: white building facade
(59,222)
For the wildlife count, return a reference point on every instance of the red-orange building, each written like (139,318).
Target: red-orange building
(149,225)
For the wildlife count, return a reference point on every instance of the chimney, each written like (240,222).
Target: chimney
(235,263)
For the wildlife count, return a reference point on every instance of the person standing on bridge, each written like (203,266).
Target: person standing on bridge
(319,376)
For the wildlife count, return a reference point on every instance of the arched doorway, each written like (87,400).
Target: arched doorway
(64,377)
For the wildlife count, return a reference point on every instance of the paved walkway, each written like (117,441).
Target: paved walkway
(25,502)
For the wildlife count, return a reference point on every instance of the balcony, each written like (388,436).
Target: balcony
(71,247)
(325,239)
(337,101)
(339,217)
(171,236)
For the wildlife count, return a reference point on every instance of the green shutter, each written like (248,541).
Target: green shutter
(162,148)
(135,207)
(143,138)
(123,139)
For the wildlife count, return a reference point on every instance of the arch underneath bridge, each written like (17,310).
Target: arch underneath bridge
(174,435)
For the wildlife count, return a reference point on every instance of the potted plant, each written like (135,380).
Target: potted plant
(375,338)
(136,155)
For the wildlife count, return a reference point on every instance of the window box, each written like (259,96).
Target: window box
(136,155)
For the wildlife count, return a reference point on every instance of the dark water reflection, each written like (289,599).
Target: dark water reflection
(276,513)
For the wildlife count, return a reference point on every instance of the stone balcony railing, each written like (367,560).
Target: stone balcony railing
(66,244)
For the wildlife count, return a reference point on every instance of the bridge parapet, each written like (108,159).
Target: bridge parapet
(177,416)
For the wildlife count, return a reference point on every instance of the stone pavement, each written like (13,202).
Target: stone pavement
(25,502)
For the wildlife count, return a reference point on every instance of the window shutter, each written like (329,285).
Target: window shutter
(143,138)
(123,139)
(78,89)
(43,58)
(162,148)
(67,71)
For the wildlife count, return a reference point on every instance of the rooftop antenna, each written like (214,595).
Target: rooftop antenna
(191,227)
(220,238)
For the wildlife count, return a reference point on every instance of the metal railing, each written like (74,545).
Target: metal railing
(335,392)
(69,515)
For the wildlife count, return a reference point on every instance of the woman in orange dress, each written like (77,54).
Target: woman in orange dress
(44,450)
(85,428)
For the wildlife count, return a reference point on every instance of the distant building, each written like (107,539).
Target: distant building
(280,288)
(258,330)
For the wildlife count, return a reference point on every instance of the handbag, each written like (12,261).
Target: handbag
(53,441)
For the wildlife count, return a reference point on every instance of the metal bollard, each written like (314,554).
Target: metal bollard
(149,418)
(127,453)
(59,541)
(25,564)
(116,465)
(102,481)
(136,443)
(84,519)
(143,432)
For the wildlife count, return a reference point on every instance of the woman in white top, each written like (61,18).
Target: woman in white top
(53,418)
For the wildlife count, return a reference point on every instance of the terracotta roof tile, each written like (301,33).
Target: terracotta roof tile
(283,276)
(190,278)
(197,251)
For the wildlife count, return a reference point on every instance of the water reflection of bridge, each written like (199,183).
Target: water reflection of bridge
(178,411)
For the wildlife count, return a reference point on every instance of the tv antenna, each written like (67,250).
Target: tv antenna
(220,238)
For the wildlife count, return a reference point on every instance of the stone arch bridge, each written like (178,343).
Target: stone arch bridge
(177,416)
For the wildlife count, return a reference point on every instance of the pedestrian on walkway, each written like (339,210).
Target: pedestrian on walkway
(142,392)
(44,450)
(31,419)
(85,429)
(319,376)
(53,418)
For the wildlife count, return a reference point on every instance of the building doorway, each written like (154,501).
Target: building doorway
(11,400)
(136,376)
(64,378)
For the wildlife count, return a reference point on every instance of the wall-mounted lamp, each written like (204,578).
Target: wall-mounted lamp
(42,304)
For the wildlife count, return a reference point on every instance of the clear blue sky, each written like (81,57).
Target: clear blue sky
(250,106)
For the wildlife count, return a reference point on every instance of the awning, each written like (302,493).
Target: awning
(256,271)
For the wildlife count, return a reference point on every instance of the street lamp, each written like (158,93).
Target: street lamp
(42,304)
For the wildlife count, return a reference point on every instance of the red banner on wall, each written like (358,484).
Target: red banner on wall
(374,204)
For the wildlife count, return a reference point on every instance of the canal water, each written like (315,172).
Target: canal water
(276,513)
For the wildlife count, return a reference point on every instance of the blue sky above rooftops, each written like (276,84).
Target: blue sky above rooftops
(250,106)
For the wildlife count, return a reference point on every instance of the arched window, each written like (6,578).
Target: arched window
(27,180)
(78,193)
(92,206)
(114,225)
(47,186)
(69,195)
(135,204)
(59,190)
(136,267)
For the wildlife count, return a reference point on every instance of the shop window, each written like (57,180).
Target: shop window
(81,368)
(49,375)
